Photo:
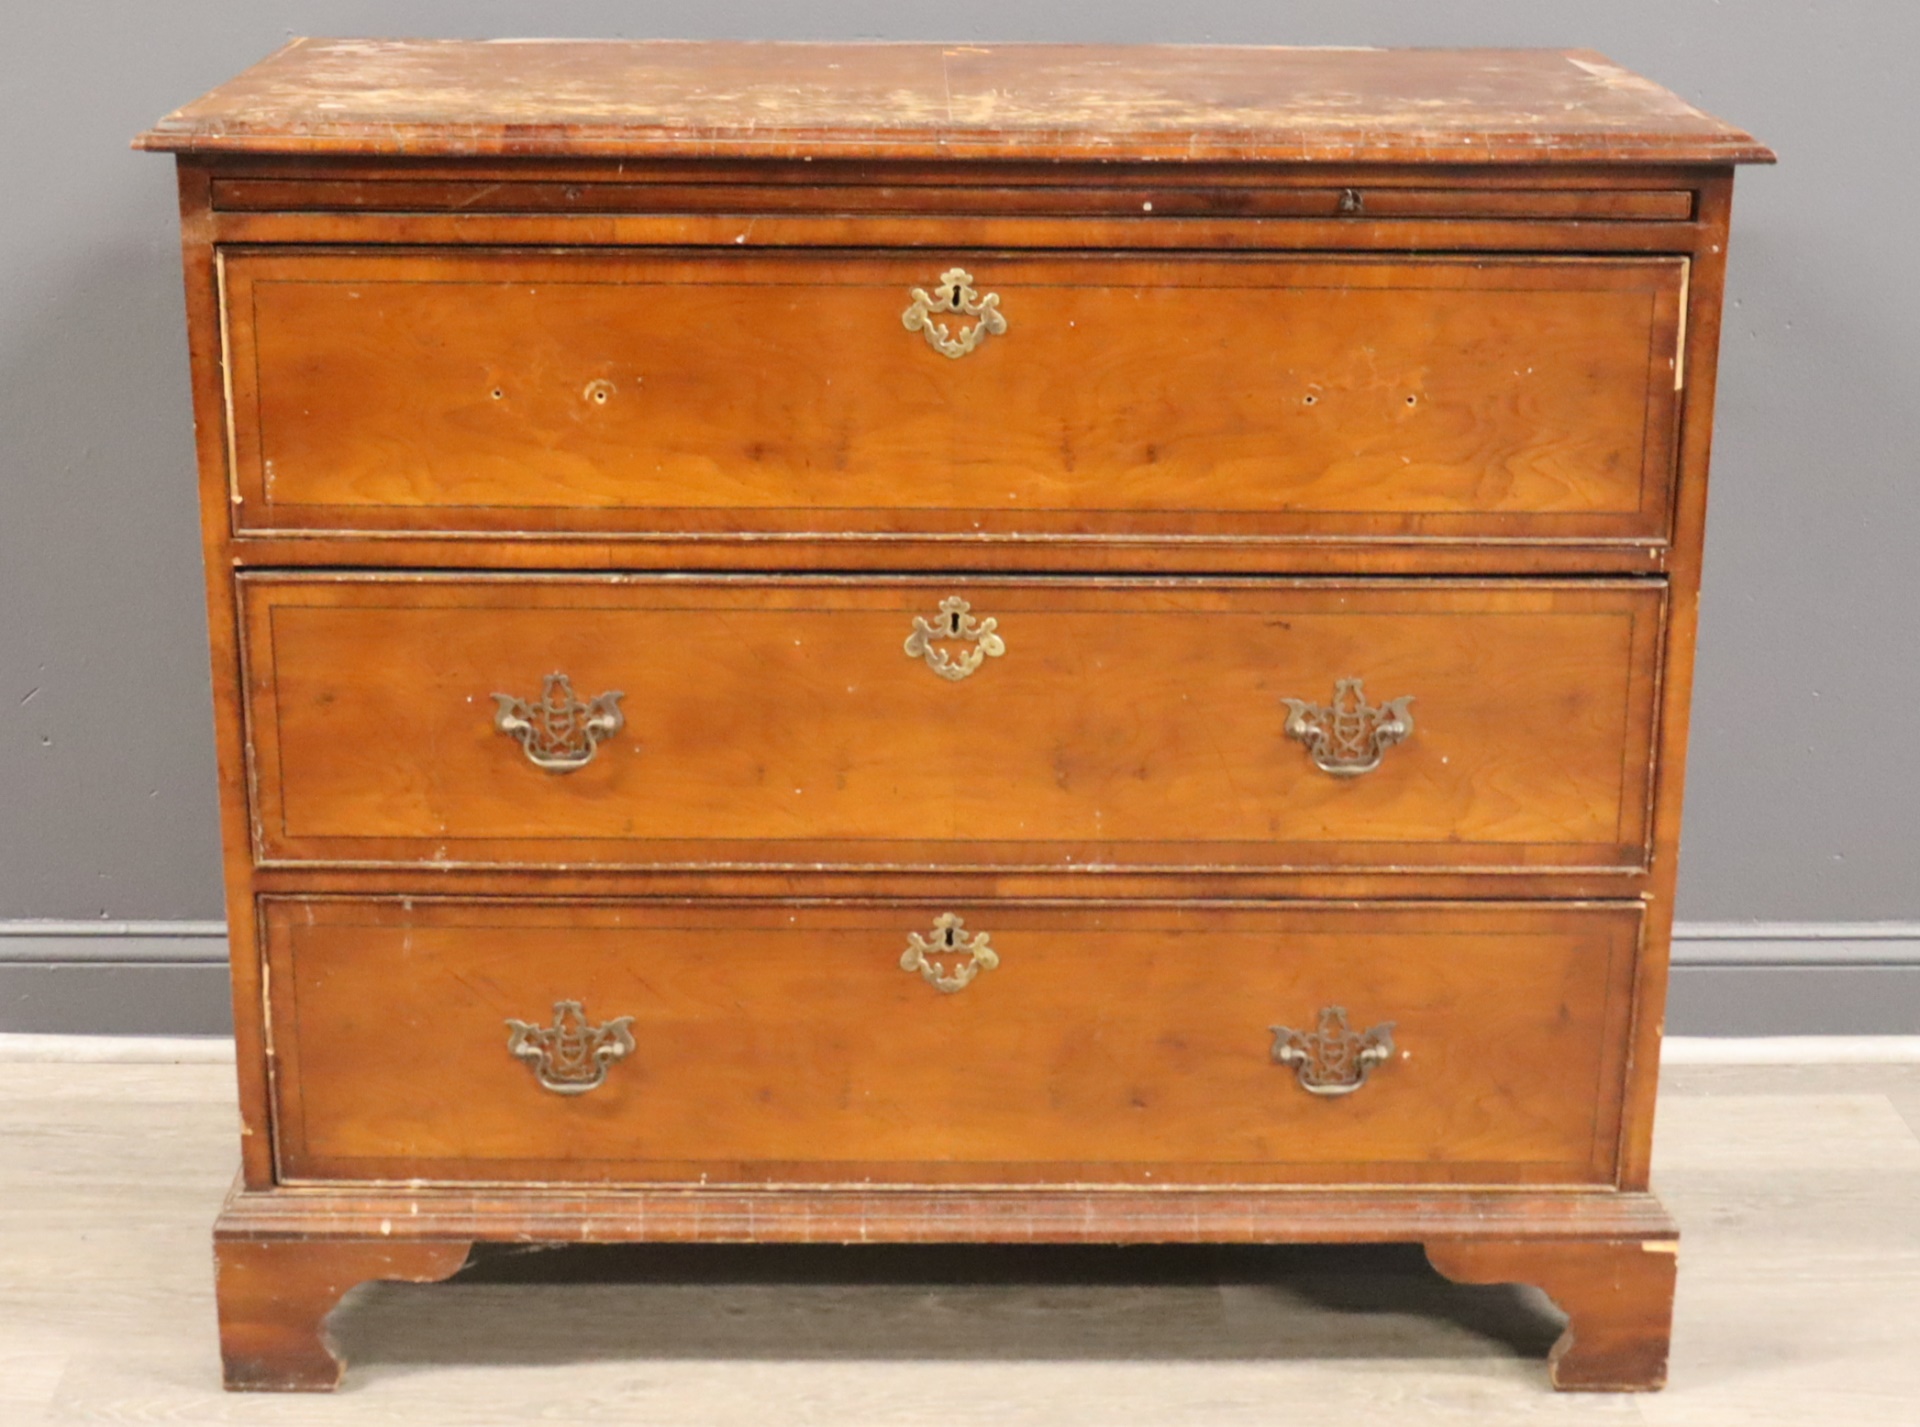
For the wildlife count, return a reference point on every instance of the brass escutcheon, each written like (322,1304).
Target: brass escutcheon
(1347,737)
(950,940)
(571,1056)
(954,622)
(1332,1059)
(954,294)
(559,733)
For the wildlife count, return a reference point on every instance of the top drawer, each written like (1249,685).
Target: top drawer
(1223,397)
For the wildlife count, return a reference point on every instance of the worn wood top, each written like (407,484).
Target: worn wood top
(547,98)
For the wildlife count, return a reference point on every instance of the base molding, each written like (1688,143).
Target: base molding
(917,1214)
(286,1256)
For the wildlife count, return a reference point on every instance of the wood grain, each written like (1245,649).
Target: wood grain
(1151,191)
(1445,318)
(1198,395)
(1617,1294)
(1002,551)
(1128,725)
(457,98)
(206,366)
(984,231)
(275,1295)
(1005,1214)
(1679,641)
(787,1044)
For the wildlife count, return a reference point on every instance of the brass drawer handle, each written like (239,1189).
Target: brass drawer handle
(571,1056)
(1347,737)
(1332,1059)
(954,622)
(954,294)
(559,733)
(950,939)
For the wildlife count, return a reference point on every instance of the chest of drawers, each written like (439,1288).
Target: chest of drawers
(1010,644)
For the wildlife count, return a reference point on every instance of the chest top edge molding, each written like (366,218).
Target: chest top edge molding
(1159,103)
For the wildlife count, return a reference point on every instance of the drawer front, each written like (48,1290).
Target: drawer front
(777,723)
(804,1043)
(1229,397)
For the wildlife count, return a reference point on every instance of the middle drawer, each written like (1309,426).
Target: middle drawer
(954,724)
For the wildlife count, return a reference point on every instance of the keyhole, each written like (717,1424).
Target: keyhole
(953,626)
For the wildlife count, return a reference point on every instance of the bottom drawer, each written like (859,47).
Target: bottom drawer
(815,1043)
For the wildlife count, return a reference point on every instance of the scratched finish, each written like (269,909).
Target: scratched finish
(428,98)
(780,723)
(1225,396)
(785,764)
(1094,1052)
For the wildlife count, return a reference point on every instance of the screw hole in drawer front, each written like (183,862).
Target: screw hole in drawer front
(788,1041)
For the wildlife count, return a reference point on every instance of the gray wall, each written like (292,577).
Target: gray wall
(1802,796)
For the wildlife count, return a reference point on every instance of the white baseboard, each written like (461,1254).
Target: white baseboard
(76,943)
(1790,1050)
(1796,944)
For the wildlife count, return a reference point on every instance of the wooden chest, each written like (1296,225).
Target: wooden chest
(910,643)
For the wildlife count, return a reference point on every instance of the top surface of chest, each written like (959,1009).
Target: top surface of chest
(1347,311)
(427,98)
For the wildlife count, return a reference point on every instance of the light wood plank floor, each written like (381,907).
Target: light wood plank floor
(1797,1188)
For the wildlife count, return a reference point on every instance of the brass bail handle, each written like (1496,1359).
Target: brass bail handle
(954,294)
(1348,736)
(1332,1058)
(572,1055)
(557,731)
